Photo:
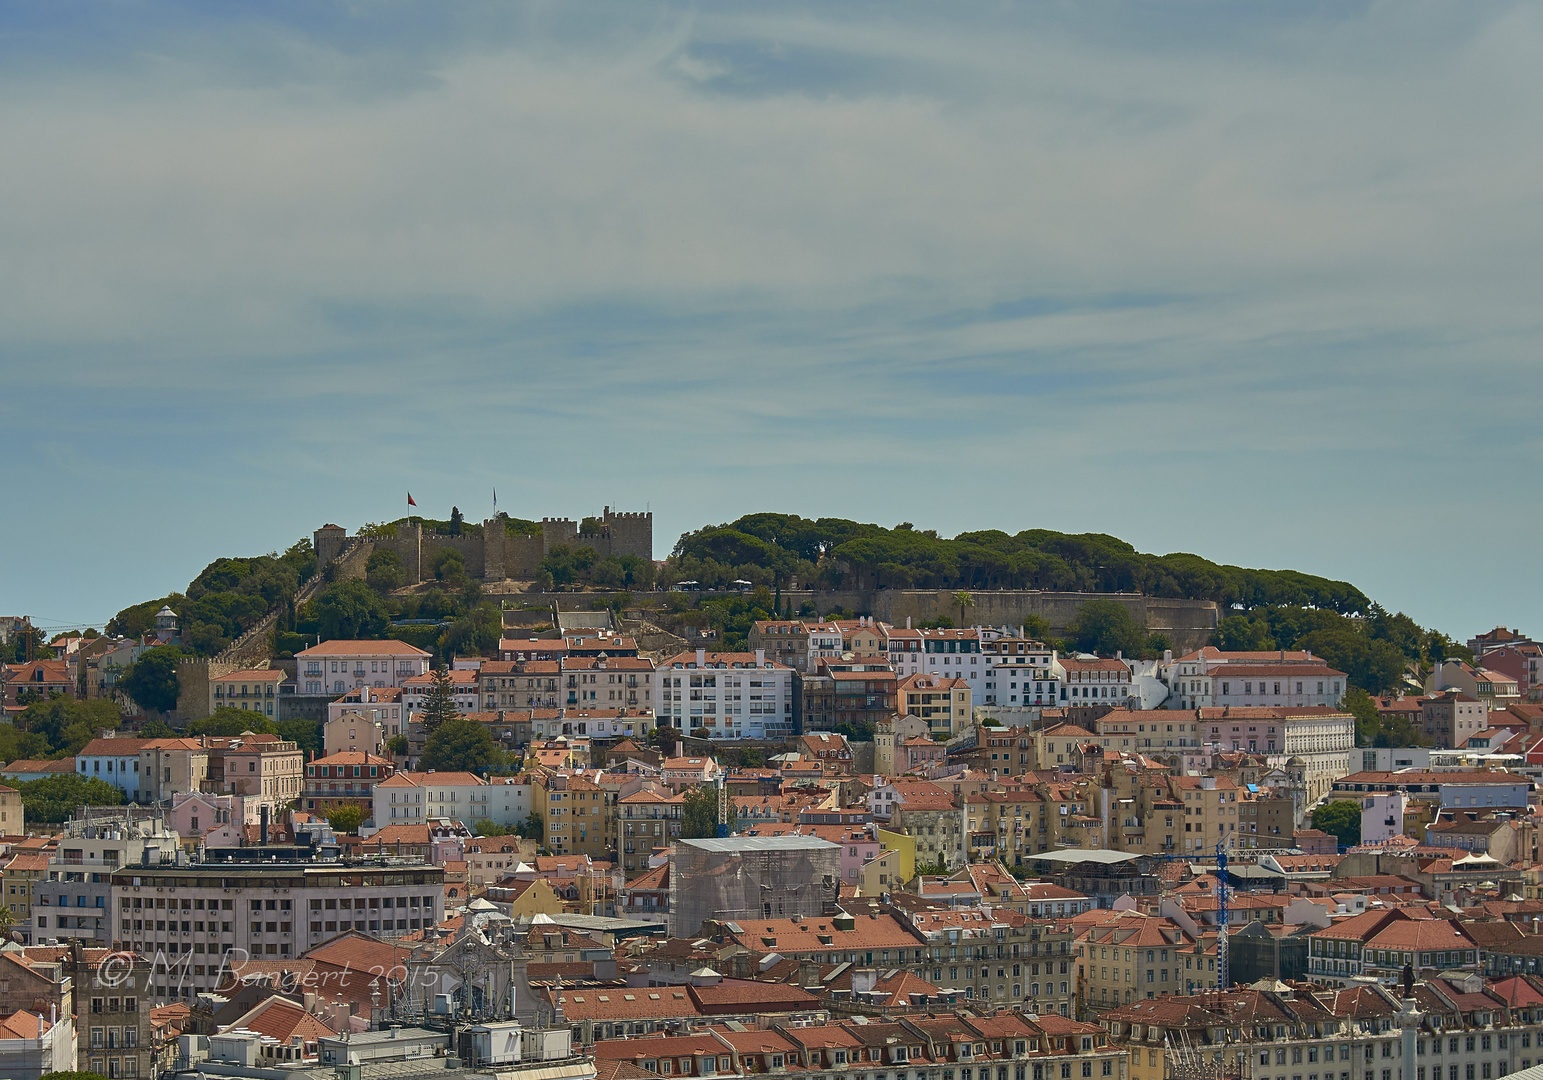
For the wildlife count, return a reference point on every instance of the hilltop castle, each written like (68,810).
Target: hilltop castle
(493,551)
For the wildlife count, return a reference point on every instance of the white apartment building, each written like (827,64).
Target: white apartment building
(1011,683)
(113,760)
(74,899)
(1321,737)
(199,913)
(955,654)
(620,723)
(824,640)
(1091,681)
(1283,678)
(1020,671)
(418,797)
(732,695)
(1382,816)
(413,798)
(334,667)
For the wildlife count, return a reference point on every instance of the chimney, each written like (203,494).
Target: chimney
(908,622)
(701,658)
(263,829)
(760,657)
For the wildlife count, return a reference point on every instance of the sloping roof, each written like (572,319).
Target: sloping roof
(343,647)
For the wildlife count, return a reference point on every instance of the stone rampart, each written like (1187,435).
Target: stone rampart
(1187,623)
(194,675)
(493,554)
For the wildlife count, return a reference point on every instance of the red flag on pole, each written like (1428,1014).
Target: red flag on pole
(410,499)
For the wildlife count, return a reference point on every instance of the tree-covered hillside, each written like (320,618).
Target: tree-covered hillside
(835,553)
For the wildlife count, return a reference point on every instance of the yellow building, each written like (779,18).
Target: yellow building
(19,879)
(527,899)
(905,848)
(943,702)
(578,816)
(1129,957)
(12,815)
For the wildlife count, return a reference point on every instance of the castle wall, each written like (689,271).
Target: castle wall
(193,677)
(470,547)
(523,555)
(495,554)
(630,534)
(1187,623)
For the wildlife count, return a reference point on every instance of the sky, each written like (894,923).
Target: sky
(1259,281)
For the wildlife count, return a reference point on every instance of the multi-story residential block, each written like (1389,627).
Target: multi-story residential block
(945,704)
(1380,943)
(1451,717)
(1321,737)
(383,705)
(955,654)
(1031,673)
(575,723)
(606,682)
(1093,681)
(1520,662)
(114,1028)
(345,779)
(257,691)
(115,760)
(22,875)
(646,819)
(937,824)
(37,680)
(73,902)
(169,766)
(259,767)
(1455,790)
(732,695)
(1191,678)
(519,684)
(890,735)
(355,732)
(858,692)
(463,686)
(577,813)
(1028,678)
(1382,816)
(338,666)
(1129,956)
(1161,734)
(408,798)
(1211,811)
(783,641)
(1001,958)
(205,912)
(1493,687)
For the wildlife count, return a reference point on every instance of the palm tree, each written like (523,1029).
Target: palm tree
(964,600)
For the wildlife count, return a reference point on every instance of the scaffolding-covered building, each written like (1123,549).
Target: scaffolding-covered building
(743,878)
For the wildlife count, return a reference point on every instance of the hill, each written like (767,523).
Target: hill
(835,553)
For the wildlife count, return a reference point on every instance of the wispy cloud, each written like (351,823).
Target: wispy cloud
(1249,280)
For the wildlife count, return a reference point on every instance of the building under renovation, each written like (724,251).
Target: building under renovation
(743,878)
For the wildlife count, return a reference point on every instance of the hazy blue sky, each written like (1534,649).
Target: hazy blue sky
(1258,281)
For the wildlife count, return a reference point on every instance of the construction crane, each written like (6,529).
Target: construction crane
(1221,916)
(723,807)
(1221,909)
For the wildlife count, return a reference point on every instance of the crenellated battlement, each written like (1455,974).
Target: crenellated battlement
(493,554)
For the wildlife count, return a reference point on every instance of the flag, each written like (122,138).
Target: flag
(410,499)
(495,498)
